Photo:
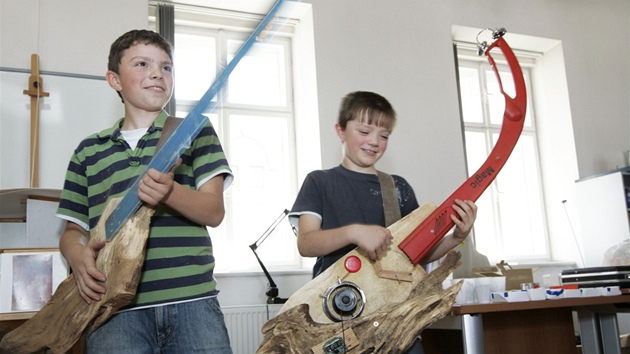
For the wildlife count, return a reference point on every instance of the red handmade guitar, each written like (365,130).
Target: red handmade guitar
(366,306)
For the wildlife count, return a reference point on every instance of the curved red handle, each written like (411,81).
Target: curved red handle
(424,237)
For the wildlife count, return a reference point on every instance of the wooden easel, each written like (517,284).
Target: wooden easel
(35,90)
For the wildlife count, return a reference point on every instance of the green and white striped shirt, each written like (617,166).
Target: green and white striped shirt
(179,261)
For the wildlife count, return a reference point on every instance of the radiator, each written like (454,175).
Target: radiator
(244,325)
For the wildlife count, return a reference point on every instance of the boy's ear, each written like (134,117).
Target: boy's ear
(113,80)
(340,131)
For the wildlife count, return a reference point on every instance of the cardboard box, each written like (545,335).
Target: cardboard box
(487,272)
(515,277)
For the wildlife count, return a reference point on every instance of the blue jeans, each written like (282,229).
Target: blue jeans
(416,348)
(189,327)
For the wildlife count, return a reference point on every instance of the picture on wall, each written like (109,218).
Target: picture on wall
(29,277)
(32,281)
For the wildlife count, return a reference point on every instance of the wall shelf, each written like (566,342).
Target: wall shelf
(13,201)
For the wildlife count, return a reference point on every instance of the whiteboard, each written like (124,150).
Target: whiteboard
(603,215)
(77,106)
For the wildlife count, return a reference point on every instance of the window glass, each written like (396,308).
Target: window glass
(254,119)
(258,152)
(195,56)
(511,217)
(267,63)
(470,95)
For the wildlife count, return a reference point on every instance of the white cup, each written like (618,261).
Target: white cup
(482,290)
(467,293)
(497,284)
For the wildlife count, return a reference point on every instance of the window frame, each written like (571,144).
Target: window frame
(301,104)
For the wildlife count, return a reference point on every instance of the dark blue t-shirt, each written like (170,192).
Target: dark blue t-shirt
(341,197)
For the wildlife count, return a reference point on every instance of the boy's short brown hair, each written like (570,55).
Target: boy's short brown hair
(366,107)
(134,37)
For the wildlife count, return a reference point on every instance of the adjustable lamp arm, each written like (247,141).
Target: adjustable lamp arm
(272,291)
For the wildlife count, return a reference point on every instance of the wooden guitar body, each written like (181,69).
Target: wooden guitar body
(62,321)
(400,298)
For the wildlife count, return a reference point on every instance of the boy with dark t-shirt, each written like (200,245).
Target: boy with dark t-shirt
(341,208)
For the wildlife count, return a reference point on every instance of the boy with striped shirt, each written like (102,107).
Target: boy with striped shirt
(175,309)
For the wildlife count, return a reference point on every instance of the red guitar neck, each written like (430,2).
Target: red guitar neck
(424,237)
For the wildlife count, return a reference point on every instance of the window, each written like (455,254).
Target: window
(257,121)
(511,220)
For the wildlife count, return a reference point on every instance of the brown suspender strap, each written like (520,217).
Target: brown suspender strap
(169,127)
(390,198)
(391,209)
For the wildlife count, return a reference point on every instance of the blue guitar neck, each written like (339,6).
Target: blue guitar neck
(183,135)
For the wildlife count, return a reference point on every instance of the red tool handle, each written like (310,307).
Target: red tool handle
(424,237)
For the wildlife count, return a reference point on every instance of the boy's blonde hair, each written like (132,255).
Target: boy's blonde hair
(366,107)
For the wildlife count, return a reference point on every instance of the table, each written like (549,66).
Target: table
(544,326)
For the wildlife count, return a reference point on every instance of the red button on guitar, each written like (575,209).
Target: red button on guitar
(352,264)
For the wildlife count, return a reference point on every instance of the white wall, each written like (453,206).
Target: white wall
(401,49)
(69,35)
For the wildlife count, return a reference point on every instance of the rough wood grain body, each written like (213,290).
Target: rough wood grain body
(62,321)
(395,312)
(379,291)
(391,329)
